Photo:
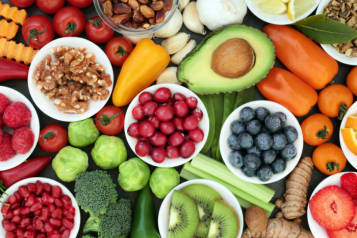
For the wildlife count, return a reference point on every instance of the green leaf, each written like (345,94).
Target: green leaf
(319,18)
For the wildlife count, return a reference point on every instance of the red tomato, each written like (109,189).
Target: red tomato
(97,31)
(50,6)
(80,3)
(38,30)
(22,3)
(118,50)
(53,138)
(110,120)
(69,21)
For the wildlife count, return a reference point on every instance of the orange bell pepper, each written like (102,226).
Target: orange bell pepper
(139,71)
(285,88)
(302,56)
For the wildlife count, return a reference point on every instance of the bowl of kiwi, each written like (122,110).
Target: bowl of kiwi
(200,208)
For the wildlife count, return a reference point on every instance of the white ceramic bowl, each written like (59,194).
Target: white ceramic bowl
(329,48)
(281,19)
(352,158)
(203,125)
(15,96)
(46,106)
(316,229)
(65,191)
(272,107)
(227,196)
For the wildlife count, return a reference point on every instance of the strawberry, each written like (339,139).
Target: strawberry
(349,232)
(349,183)
(333,208)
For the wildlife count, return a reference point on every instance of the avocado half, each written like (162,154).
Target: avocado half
(196,71)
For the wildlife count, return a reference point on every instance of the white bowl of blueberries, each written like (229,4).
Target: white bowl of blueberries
(261,142)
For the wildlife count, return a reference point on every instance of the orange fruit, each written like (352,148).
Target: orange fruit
(349,137)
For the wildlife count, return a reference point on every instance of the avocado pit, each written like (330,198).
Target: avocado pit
(233,59)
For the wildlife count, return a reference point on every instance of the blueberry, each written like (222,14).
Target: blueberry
(245,140)
(252,161)
(278,166)
(268,156)
(248,172)
(273,123)
(247,114)
(237,127)
(236,159)
(265,130)
(254,150)
(282,117)
(264,173)
(254,127)
(264,141)
(261,113)
(233,142)
(279,141)
(291,134)
(289,152)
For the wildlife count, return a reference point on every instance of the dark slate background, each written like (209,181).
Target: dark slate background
(250,20)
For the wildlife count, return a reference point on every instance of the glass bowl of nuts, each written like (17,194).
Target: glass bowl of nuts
(136,17)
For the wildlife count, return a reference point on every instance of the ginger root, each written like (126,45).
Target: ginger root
(279,228)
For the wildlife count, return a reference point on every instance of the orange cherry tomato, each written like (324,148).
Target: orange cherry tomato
(334,100)
(329,159)
(352,81)
(316,129)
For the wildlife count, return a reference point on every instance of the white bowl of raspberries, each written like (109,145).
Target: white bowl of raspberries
(19,128)
(166,125)
(39,207)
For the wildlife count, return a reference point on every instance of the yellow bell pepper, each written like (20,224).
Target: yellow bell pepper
(139,71)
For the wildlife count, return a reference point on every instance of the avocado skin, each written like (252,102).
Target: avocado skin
(214,86)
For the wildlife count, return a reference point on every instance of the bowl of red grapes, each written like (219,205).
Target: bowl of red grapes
(261,142)
(166,125)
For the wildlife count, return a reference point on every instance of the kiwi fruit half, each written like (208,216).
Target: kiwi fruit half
(205,198)
(224,222)
(184,219)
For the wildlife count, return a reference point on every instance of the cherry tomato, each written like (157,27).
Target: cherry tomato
(110,120)
(22,3)
(53,138)
(69,21)
(334,100)
(316,129)
(329,159)
(118,50)
(50,6)
(80,3)
(97,31)
(39,30)
(352,81)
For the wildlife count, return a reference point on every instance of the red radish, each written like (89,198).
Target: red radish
(146,129)
(167,127)
(162,95)
(158,139)
(190,123)
(178,122)
(187,149)
(172,152)
(191,102)
(176,139)
(196,135)
(181,109)
(150,108)
(133,130)
(179,97)
(138,112)
(165,113)
(142,148)
(156,122)
(145,97)
(197,113)
(158,154)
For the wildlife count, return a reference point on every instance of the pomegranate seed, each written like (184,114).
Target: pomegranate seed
(47,199)
(52,207)
(35,207)
(10,234)
(66,234)
(25,222)
(45,213)
(179,97)
(158,139)
(72,210)
(133,130)
(181,109)
(16,219)
(150,108)
(197,113)
(41,236)
(5,208)
(162,95)
(31,187)
(30,228)
(48,227)
(145,97)
(23,191)
(56,212)
(165,113)
(172,152)
(62,229)
(55,222)
(190,123)
(30,234)
(67,223)
(58,203)
(146,129)
(187,149)
(31,200)
(9,215)
(70,216)
(55,235)
(12,200)
(191,102)
(39,187)
(14,206)
(60,217)
(196,135)
(47,187)
(176,139)
(66,201)
(56,191)
(24,211)
(37,224)
(37,213)
(155,121)
(158,154)
(167,127)
(138,112)
(142,148)
(18,196)
(19,233)
(17,211)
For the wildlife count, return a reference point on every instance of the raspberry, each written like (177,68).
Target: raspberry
(22,140)
(6,151)
(17,115)
(1,122)
(4,102)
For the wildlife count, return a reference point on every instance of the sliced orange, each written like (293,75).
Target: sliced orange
(351,122)
(349,137)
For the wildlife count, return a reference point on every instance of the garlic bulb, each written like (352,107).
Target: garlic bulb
(135,39)
(175,43)
(179,56)
(172,27)
(168,76)
(183,4)
(191,19)
(218,13)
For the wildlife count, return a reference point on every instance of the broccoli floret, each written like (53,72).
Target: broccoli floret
(95,191)
(88,236)
(116,222)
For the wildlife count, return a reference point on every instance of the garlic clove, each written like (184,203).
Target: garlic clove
(183,4)
(172,27)
(191,19)
(175,43)
(179,56)
(169,75)
(135,39)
